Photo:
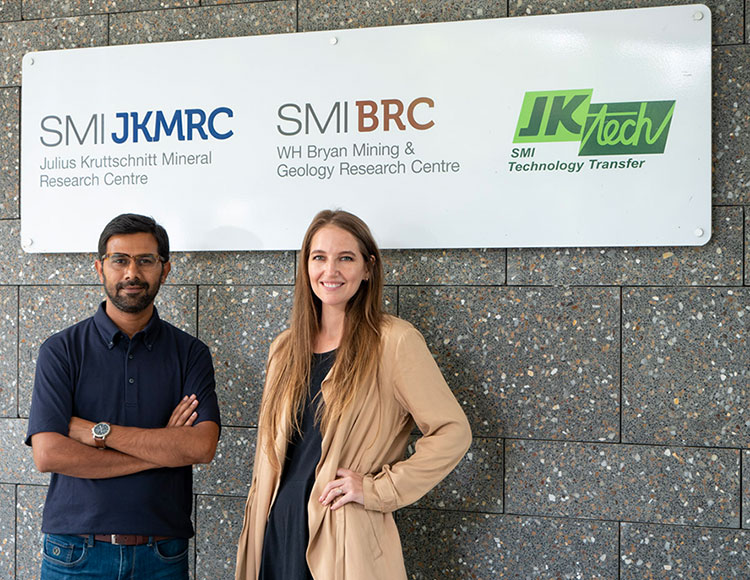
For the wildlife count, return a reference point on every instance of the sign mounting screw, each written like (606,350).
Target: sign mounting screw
(699,232)
(333,40)
(698,16)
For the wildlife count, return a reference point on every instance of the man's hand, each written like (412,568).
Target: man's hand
(184,413)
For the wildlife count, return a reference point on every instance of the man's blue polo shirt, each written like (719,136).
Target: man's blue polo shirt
(94,371)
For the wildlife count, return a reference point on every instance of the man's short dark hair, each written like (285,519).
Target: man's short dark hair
(132,223)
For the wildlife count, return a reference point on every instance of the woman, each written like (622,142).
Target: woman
(344,386)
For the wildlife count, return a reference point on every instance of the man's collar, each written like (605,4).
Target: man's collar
(111,334)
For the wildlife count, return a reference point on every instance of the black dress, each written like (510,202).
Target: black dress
(286,537)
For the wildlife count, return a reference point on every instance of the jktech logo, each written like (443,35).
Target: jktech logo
(602,128)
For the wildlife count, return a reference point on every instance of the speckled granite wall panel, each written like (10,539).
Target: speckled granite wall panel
(526,362)
(726,16)
(18,38)
(16,460)
(57,8)
(230,471)
(455,266)
(262,268)
(747,246)
(29,506)
(672,552)
(218,525)
(683,485)
(10,10)
(9,152)
(731,124)
(178,305)
(475,485)
(18,267)
(718,263)
(390,300)
(191,547)
(451,545)
(685,356)
(746,489)
(7,531)
(238,324)
(8,351)
(336,14)
(205,22)
(45,310)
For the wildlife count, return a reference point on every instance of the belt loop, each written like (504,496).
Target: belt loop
(151,541)
(90,541)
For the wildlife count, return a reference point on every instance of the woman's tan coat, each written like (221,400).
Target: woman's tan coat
(356,542)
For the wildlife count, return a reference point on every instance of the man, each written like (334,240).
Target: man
(123,406)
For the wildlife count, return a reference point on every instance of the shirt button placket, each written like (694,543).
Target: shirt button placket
(131,398)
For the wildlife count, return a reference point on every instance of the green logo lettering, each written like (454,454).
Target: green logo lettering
(602,128)
(549,116)
(626,128)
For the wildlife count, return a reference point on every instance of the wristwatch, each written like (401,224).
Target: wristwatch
(100,432)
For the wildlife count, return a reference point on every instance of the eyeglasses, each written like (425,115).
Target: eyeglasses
(142,261)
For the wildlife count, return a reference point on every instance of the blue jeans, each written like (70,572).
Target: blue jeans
(65,556)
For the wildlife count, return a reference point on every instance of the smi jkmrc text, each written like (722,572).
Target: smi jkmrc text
(135,126)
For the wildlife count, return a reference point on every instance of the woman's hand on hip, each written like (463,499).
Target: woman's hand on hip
(346,488)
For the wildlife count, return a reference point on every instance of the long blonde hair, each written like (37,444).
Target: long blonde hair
(356,356)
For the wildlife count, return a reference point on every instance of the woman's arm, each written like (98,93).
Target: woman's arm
(422,391)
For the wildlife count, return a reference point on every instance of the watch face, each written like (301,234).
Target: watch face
(101,430)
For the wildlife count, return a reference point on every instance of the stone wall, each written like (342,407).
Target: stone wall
(607,388)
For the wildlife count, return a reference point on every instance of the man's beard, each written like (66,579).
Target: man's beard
(131,304)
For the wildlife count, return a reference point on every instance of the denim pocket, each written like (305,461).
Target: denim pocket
(172,550)
(65,551)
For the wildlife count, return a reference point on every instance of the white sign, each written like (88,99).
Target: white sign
(569,130)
